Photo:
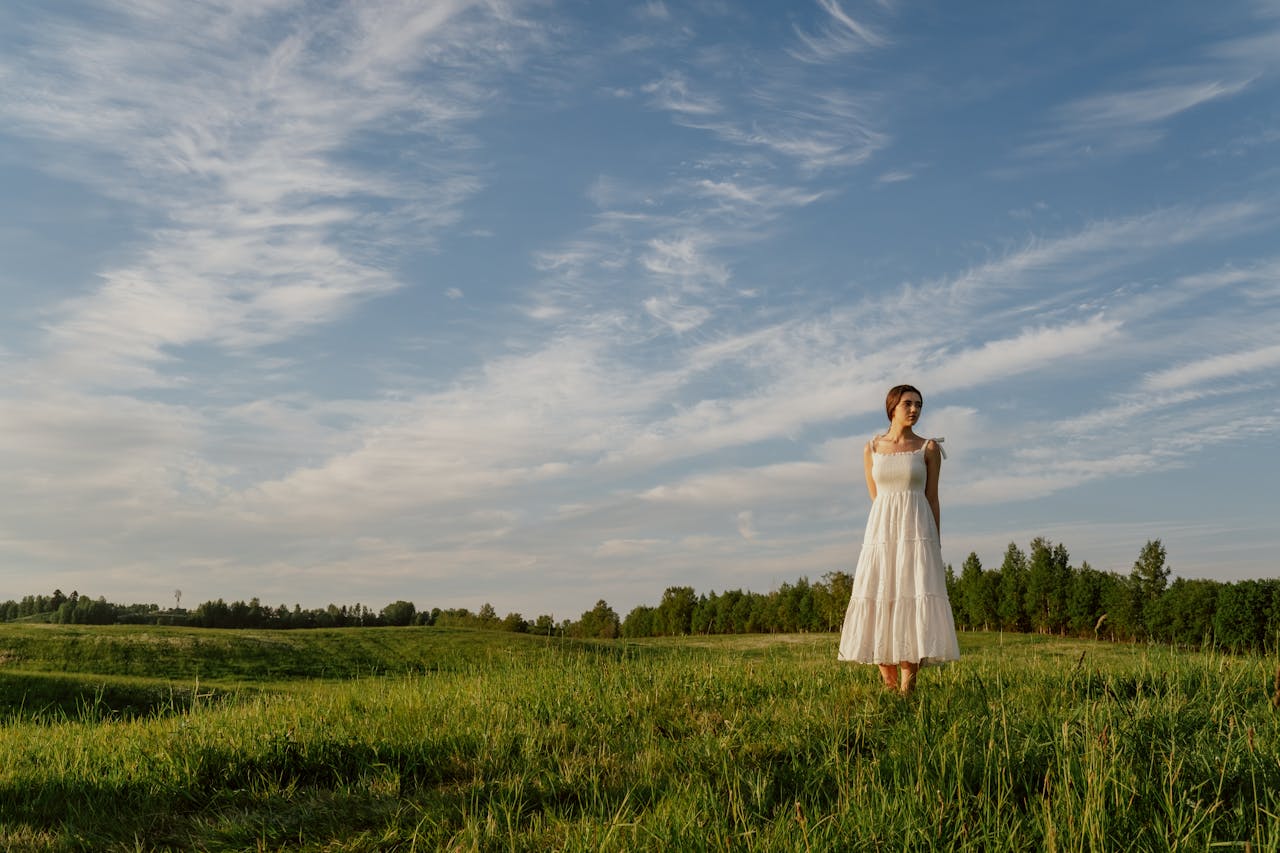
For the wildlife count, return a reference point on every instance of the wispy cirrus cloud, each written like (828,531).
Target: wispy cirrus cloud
(1103,245)
(840,35)
(1099,114)
(812,130)
(1112,444)
(1134,116)
(1225,366)
(673,92)
(895,177)
(239,146)
(1031,350)
(799,115)
(1259,52)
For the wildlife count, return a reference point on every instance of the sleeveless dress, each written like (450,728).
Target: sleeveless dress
(899,609)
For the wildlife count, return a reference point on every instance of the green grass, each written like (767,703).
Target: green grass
(482,741)
(190,653)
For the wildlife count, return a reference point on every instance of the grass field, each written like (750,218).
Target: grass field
(427,739)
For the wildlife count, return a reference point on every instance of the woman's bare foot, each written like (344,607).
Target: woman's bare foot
(907,681)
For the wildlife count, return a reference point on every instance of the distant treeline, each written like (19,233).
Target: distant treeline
(1041,591)
(1034,590)
(1031,591)
(76,609)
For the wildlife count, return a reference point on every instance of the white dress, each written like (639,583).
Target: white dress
(899,609)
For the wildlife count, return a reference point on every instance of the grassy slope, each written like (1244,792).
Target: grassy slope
(488,741)
(189,653)
(60,671)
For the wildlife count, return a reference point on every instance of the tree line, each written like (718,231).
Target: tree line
(1036,590)
(1033,590)
(77,609)
(1039,590)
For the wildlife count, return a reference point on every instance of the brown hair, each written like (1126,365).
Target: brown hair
(895,394)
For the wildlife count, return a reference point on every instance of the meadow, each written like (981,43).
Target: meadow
(127,738)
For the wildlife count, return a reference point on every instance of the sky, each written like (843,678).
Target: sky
(540,303)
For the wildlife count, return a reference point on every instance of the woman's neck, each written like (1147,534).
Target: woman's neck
(899,434)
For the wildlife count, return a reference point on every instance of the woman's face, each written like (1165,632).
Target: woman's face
(908,409)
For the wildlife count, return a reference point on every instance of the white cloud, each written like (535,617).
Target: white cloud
(673,93)
(1129,407)
(1215,367)
(784,481)
(1257,52)
(654,10)
(683,258)
(832,133)
(840,35)
(627,547)
(1032,350)
(766,196)
(1144,105)
(679,318)
(1134,117)
(238,144)
(894,177)
(1094,250)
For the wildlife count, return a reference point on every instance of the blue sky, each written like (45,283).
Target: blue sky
(539,303)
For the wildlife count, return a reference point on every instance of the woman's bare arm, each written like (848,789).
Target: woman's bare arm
(866,468)
(933,467)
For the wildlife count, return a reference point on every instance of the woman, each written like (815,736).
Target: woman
(899,617)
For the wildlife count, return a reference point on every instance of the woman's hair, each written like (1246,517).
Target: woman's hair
(895,394)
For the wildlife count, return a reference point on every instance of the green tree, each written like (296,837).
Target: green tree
(722,618)
(600,622)
(949,578)
(1048,585)
(1011,607)
(760,617)
(1241,619)
(1084,600)
(1149,577)
(1119,605)
(794,607)
(675,612)
(399,613)
(639,622)
(704,614)
(1272,632)
(1184,614)
(213,614)
(831,598)
(971,594)
(515,623)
